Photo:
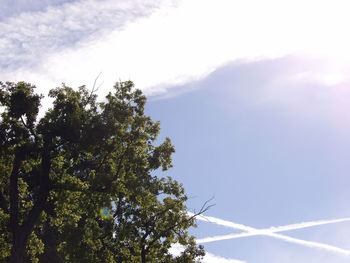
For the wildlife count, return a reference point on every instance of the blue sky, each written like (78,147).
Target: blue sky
(254,94)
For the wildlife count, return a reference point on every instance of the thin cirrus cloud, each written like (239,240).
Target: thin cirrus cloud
(160,45)
(272,232)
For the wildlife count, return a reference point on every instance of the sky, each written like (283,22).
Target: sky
(255,96)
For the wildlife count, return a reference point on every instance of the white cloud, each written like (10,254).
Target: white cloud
(208,258)
(171,45)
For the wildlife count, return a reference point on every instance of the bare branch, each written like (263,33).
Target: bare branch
(205,207)
(94,89)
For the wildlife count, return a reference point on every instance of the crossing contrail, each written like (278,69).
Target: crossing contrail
(272,232)
(270,229)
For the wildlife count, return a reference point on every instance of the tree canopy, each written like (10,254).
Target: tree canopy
(78,184)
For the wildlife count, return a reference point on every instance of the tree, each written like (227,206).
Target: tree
(78,185)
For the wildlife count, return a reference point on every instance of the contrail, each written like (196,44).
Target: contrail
(271,229)
(250,231)
(307,224)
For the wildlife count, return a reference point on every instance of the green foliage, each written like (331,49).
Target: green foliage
(81,157)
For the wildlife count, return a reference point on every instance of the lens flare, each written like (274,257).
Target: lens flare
(105,213)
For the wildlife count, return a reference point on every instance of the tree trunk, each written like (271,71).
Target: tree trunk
(18,250)
(21,233)
(18,243)
(143,255)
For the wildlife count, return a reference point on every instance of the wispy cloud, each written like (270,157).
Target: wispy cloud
(26,38)
(250,231)
(10,8)
(158,45)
